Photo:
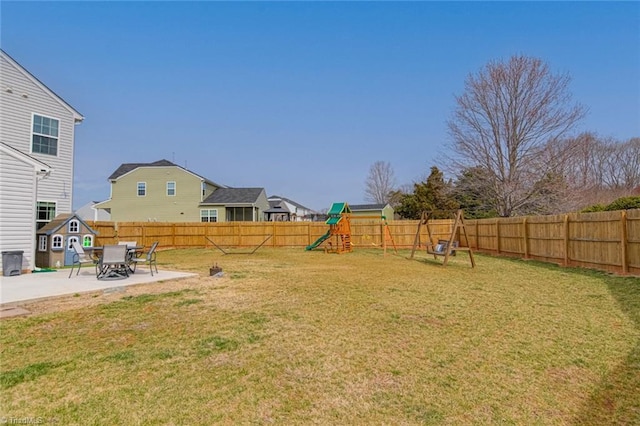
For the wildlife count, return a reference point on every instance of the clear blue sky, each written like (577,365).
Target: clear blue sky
(301,98)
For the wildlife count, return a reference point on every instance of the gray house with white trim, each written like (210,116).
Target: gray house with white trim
(37,129)
(283,209)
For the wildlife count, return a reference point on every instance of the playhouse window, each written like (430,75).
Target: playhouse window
(56,242)
(74,226)
(42,243)
(87,241)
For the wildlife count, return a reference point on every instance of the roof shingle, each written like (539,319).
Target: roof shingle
(234,196)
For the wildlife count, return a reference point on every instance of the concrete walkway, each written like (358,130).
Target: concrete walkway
(41,285)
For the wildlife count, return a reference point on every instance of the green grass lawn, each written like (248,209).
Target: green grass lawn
(295,337)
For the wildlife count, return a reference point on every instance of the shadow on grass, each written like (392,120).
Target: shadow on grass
(617,398)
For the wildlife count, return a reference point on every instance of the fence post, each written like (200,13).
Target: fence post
(525,235)
(566,240)
(498,235)
(273,234)
(624,241)
(477,238)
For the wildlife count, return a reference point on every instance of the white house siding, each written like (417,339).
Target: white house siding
(21,97)
(17,195)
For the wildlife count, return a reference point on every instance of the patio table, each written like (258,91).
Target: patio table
(115,268)
(96,253)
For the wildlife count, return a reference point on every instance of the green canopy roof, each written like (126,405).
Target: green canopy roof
(339,208)
(333,220)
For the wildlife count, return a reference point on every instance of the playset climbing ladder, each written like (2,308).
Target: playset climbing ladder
(448,247)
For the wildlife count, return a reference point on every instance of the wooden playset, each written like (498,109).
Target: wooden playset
(338,237)
(339,222)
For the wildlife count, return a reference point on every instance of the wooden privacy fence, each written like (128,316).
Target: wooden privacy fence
(608,241)
(365,233)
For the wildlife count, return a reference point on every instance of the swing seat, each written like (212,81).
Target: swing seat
(440,249)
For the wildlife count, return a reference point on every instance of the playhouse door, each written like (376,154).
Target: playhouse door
(68,251)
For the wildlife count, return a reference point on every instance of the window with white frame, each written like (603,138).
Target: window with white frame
(45,135)
(87,240)
(209,215)
(171,189)
(45,212)
(142,189)
(56,242)
(42,243)
(74,226)
(70,242)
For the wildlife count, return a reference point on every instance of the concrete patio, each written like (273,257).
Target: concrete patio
(41,285)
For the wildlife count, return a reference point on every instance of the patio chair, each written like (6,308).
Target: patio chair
(149,257)
(131,245)
(80,257)
(113,263)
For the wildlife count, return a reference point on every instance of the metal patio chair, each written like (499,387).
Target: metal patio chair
(80,257)
(113,263)
(149,257)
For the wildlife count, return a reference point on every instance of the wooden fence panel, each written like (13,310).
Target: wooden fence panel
(546,238)
(487,235)
(404,232)
(105,232)
(511,236)
(595,240)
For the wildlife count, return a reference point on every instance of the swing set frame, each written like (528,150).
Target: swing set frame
(445,248)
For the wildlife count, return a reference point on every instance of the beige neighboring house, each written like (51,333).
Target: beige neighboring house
(372,210)
(37,129)
(165,192)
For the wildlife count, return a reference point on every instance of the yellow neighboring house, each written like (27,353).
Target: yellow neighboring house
(165,192)
(372,210)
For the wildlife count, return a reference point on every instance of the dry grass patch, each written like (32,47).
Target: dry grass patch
(295,337)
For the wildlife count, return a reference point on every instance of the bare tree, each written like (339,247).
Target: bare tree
(503,122)
(380,183)
(627,156)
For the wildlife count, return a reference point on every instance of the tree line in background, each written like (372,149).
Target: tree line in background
(512,153)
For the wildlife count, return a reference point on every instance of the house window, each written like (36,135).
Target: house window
(74,226)
(45,211)
(142,189)
(87,241)
(240,214)
(209,215)
(42,243)
(45,135)
(171,188)
(56,242)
